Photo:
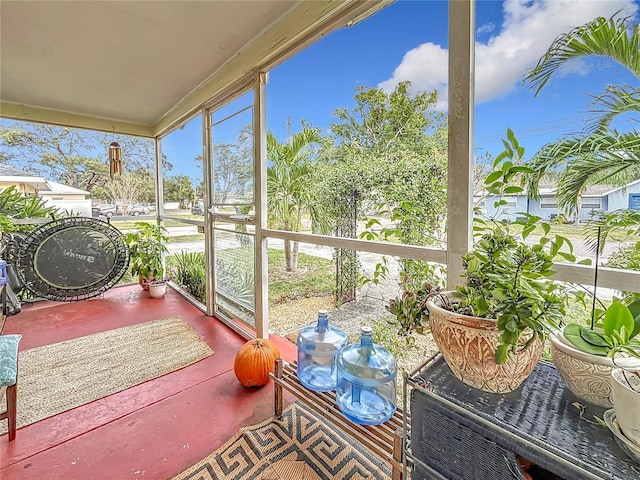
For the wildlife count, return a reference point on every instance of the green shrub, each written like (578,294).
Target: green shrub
(188,269)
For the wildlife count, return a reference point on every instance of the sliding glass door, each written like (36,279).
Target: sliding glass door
(232,209)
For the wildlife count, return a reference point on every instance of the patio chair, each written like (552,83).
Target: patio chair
(9,379)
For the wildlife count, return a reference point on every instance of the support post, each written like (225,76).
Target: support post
(396,464)
(460,143)
(278,397)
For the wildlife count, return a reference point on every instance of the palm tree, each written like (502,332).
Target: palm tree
(289,189)
(599,154)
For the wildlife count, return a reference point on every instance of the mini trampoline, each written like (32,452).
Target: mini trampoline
(72,259)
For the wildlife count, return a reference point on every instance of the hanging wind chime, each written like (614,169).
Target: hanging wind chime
(115,160)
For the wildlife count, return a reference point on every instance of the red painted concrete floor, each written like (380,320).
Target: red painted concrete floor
(154,430)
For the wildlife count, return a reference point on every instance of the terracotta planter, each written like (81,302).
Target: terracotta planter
(626,403)
(587,376)
(468,345)
(143,282)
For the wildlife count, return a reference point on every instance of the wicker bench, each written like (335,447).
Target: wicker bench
(385,440)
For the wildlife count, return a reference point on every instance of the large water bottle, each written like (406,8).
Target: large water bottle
(3,272)
(318,348)
(366,389)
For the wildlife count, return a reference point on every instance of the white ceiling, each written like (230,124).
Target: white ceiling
(135,61)
(129,61)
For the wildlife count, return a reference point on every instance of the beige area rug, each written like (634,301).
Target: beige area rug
(61,376)
(299,445)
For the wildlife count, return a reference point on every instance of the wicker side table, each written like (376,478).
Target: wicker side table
(459,432)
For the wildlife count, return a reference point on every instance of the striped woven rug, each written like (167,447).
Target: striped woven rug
(61,376)
(299,445)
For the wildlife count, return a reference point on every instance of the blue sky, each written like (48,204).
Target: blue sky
(408,41)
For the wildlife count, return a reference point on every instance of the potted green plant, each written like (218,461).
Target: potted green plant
(586,356)
(158,287)
(147,248)
(491,330)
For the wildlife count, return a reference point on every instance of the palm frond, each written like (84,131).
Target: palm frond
(614,101)
(625,221)
(617,39)
(583,172)
(603,157)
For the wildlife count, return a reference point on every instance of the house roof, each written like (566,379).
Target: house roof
(142,68)
(15,175)
(601,190)
(549,188)
(59,188)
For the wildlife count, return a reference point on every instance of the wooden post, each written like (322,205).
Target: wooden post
(277,390)
(396,464)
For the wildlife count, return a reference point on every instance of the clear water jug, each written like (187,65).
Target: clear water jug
(3,272)
(318,348)
(366,389)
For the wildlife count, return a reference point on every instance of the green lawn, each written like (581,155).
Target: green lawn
(315,276)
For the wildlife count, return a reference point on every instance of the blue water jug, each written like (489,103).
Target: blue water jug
(318,348)
(3,272)
(366,390)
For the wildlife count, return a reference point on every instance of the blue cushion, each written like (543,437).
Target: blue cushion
(9,359)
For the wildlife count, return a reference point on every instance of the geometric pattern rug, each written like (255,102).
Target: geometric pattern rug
(299,445)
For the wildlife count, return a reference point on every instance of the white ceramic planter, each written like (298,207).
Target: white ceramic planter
(468,345)
(157,290)
(626,403)
(587,376)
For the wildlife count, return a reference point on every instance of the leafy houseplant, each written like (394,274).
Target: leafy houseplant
(507,305)
(620,327)
(147,247)
(410,307)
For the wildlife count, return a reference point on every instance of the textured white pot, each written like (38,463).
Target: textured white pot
(157,290)
(626,403)
(468,345)
(587,376)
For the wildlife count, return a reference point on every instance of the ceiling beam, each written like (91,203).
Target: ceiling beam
(17,111)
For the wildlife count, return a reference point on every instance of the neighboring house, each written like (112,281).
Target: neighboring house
(62,197)
(68,199)
(514,205)
(596,198)
(26,183)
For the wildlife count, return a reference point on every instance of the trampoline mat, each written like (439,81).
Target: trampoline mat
(72,259)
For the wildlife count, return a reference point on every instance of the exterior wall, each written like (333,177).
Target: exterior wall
(22,187)
(62,196)
(518,203)
(587,213)
(620,198)
(76,205)
(546,213)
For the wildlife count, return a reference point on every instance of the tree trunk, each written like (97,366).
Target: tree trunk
(287,255)
(294,256)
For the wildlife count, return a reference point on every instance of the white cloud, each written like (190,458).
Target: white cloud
(486,28)
(528,28)
(575,67)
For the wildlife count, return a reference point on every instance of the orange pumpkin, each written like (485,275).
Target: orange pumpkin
(254,361)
